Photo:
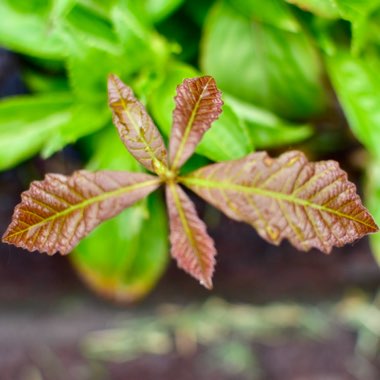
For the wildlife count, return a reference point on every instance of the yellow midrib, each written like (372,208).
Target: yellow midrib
(192,181)
(187,229)
(88,202)
(189,127)
(136,128)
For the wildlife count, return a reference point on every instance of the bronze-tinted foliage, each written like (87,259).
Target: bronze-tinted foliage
(192,247)
(136,129)
(198,104)
(56,213)
(311,204)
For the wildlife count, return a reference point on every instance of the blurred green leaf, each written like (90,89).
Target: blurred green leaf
(366,30)
(60,8)
(24,28)
(228,137)
(138,236)
(139,39)
(157,10)
(84,119)
(357,12)
(108,152)
(261,64)
(27,123)
(44,123)
(40,82)
(267,130)
(356,82)
(100,8)
(138,257)
(93,29)
(323,8)
(352,9)
(272,12)
(88,68)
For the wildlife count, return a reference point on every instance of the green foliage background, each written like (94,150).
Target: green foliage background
(284,66)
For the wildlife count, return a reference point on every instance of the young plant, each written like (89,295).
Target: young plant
(311,204)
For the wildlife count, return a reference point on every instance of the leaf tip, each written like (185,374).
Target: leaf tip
(5,238)
(207,283)
(114,86)
(112,78)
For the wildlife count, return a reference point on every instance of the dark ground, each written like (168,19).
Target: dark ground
(46,313)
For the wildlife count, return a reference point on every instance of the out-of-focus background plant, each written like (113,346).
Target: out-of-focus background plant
(299,73)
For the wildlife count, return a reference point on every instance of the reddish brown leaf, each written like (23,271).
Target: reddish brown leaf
(54,214)
(198,104)
(311,204)
(191,246)
(136,128)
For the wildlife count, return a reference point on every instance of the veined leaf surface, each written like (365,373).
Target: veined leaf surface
(119,259)
(56,213)
(191,245)
(198,104)
(136,128)
(228,138)
(311,204)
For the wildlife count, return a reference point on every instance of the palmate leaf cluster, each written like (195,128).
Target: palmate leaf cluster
(280,64)
(311,204)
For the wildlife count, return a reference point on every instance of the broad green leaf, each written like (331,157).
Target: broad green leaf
(100,8)
(137,36)
(261,64)
(38,82)
(60,8)
(323,8)
(154,10)
(365,30)
(130,28)
(311,204)
(136,129)
(358,12)
(125,256)
(273,12)
(228,137)
(93,88)
(56,213)
(372,193)
(27,123)
(357,85)
(352,9)
(266,129)
(107,151)
(198,105)
(24,28)
(82,122)
(191,245)
(94,30)
(161,9)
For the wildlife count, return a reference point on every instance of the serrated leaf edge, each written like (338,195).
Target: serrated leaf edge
(126,189)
